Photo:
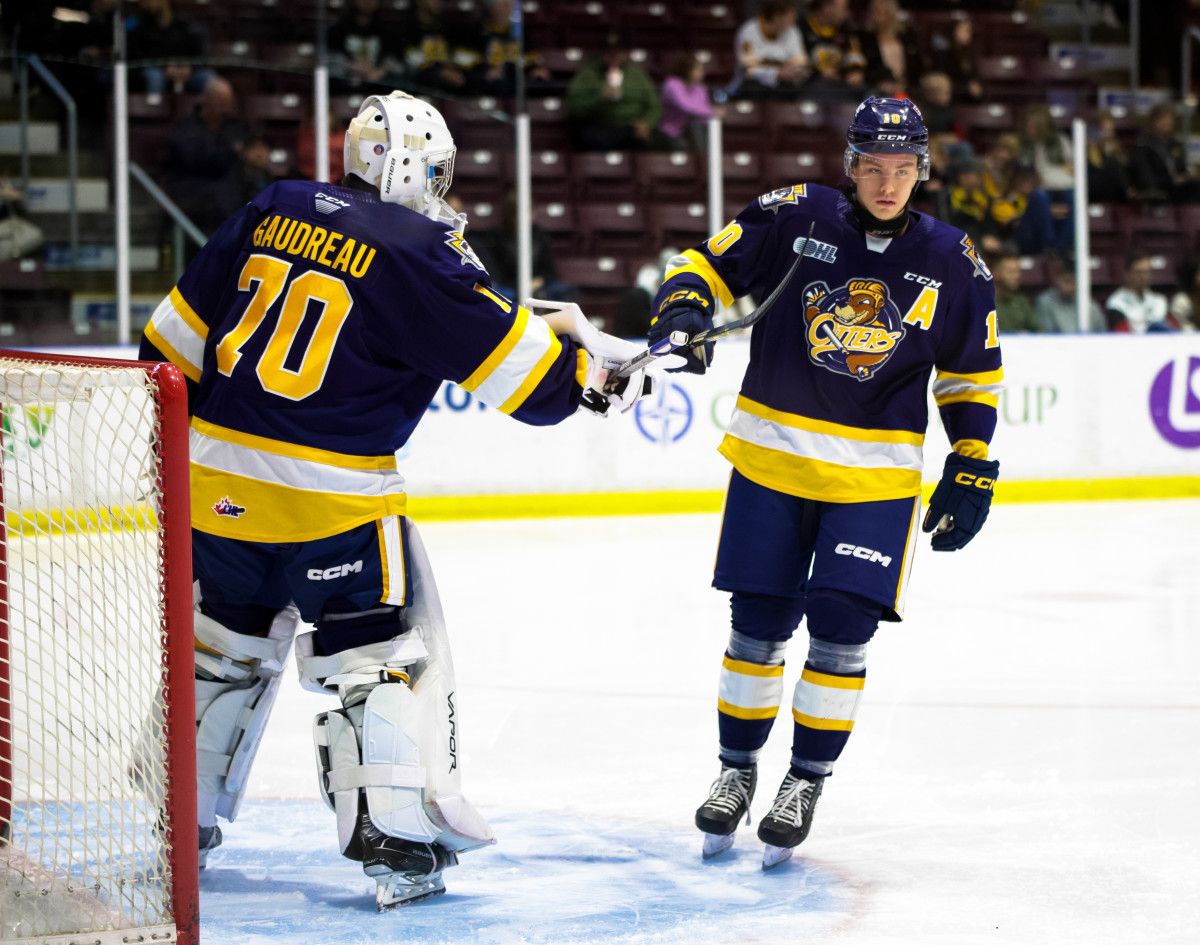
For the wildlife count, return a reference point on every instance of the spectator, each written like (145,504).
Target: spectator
(1013,310)
(1044,225)
(1135,307)
(611,102)
(686,104)
(1184,310)
(894,58)
(156,33)
(440,52)
(835,51)
(203,163)
(1158,167)
(968,206)
(497,249)
(1108,166)
(496,73)
(1049,151)
(771,59)
(255,173)
(936,100)
(958,58)
(18,236)
(306,150)
(363,50)
(1055,308)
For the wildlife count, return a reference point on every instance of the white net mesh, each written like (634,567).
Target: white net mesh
(83,835)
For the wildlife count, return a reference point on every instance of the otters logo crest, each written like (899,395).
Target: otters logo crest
(853,329)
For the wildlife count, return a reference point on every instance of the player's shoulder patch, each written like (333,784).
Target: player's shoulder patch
(782,196)
(467,256)
(972,254)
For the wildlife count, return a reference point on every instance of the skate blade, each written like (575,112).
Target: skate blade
(399,890)
(715,844)
(773,856)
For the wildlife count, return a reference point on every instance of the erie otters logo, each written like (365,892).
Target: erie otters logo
(853,329)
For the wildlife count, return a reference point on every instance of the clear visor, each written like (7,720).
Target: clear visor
(882,161)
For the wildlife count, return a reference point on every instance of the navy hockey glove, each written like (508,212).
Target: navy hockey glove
(960,503)
(693,320)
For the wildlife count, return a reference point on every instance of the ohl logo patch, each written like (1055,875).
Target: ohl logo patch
(853,329)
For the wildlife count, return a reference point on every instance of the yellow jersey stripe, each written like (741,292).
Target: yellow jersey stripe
(824,725)
(833,682)
(501,351)
(751,669)
(292,450)
(699,265)
(750,714)
(968,397)
(187,313)
(910,545)
(817,479)
(534,377)
(190,371)
(800,422)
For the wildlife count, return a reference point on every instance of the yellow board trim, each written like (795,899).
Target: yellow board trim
(969,397)
(187,313)
(167,350)
(292,450)
(825,725)
(800,422)
(751,669)
(501,351)
(833,682)
(699,265)
(981,379)
(534,377)
(750,714)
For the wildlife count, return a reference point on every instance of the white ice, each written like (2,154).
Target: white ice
(1025,767)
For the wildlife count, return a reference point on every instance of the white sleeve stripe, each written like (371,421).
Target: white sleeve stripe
(178,333)
(510,374)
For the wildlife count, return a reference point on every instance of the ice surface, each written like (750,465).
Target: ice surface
(1025,767)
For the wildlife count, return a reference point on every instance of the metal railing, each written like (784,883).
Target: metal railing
(26,63)
(1190,36)
(183,226)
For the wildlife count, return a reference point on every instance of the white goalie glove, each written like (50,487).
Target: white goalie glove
(605,354)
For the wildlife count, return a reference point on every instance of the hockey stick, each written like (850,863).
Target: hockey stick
(679,339)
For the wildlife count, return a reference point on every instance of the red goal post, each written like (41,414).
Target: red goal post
(97,711)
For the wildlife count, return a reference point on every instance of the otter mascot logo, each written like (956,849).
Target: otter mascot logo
(852,330)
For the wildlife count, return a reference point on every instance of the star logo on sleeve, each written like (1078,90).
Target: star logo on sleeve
(457,242)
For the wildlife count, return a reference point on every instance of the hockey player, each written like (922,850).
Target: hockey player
(315,327)
(822,510)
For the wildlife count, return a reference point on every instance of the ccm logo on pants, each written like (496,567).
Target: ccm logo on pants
(856,551)
(337,571)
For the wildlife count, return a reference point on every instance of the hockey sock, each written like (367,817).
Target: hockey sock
(751,686)
(827,695)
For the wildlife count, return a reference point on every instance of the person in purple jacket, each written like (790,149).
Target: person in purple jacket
(686,104)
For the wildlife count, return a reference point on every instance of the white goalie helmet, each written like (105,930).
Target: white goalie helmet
(401,145)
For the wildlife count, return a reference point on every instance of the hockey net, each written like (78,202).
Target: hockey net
(97,730)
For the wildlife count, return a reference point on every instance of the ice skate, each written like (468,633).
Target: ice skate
(728,802)
(210,838)
(407,871)
(788,821)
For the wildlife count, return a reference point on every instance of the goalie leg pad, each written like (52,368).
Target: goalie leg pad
(237,679)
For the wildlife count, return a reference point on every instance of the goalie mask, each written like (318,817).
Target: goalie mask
(401,145)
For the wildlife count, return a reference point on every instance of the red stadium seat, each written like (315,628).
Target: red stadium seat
(284,108)
(619,227)
(673,176)
(742,172)
(797,168)
(680,225)
(744,125)
(605,175)
(796,125)
(551,178)
(558,219)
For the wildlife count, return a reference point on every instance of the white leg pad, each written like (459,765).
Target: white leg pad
(232,710)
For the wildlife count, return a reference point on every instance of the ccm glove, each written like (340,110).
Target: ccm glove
(693,320)
(961,501)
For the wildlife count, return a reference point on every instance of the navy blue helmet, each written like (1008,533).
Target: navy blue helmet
(888,126)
